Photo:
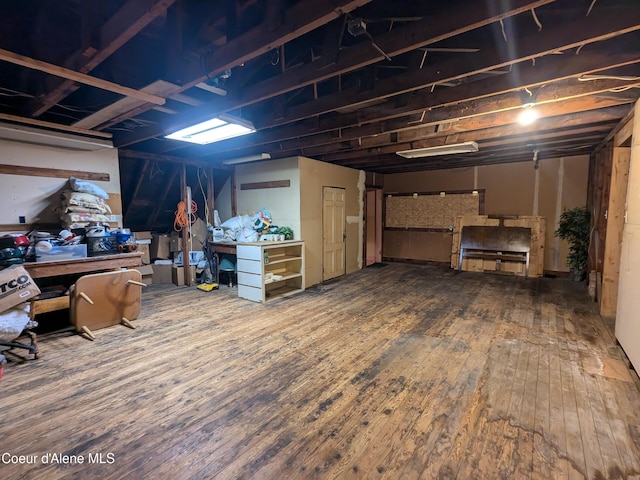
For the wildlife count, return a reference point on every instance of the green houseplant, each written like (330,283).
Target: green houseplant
(574,227)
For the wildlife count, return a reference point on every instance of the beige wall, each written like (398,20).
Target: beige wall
(36,197)
(283,203)
(315,175)
(300,206)
(510,189)
(433,181)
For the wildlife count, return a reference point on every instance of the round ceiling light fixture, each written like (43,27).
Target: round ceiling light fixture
(528,116)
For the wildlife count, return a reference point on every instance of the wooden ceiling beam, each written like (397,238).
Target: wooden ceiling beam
(161,158)
(399,41)
(547,70)
(134,16)
(610,114)
(583,31)
(566,97)
(513,153)
(297,21)
(58,71)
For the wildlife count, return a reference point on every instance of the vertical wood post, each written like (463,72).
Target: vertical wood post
(210,196)
(186,249)
(615,222)
(234,194)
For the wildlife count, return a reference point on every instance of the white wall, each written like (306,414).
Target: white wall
(36,197)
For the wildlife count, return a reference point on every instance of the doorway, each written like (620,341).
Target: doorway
(333,232)
(373,227)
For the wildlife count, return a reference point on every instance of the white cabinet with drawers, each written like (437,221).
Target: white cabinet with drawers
(268,270)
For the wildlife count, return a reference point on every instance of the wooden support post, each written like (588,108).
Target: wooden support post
(608,297)
(234,196)
(186,248)
(211,193)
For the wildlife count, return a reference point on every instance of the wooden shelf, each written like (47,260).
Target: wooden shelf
(284,278)
(283,291)
(284,259)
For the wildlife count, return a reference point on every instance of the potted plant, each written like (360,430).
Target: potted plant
(286,231)
(574,227)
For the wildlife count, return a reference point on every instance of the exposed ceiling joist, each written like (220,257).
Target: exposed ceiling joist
(416,35)
(132,17)
(58,71)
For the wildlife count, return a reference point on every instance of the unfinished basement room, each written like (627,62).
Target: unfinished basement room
(320,239)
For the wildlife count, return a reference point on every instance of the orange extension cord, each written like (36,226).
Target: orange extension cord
(183,219)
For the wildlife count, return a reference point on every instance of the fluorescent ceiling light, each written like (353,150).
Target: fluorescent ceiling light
(212,89)
(220,128)
(466,147)
(248,158)
(19,133)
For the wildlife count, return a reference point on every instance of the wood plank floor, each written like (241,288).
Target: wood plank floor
(400,372)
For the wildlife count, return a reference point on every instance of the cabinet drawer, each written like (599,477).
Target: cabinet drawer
(250,279)
(249,266)
(250,293)
(249,252)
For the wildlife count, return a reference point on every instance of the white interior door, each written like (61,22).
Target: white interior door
(333,232)
(628,310)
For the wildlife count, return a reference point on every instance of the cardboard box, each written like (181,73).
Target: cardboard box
(143,238)
(160,247)
(177,275)
(144,249)
(16,286)
(176,242)
(147,274)
(161,273)
(194,258)
(62,252)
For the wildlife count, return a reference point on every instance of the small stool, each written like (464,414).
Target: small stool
(228,266)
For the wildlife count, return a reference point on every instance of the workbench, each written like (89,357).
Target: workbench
(75,266)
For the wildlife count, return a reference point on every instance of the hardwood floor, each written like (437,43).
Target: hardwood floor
(398,372)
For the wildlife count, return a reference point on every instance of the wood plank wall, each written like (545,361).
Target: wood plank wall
(606,199)
(538,226)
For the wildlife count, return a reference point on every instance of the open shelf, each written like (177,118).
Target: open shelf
(282,259)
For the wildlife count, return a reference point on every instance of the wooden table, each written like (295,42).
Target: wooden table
(70,267)
(83,265)
(224,247)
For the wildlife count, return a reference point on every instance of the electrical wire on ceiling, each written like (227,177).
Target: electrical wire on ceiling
(504,33)
(535,19)
(625,78)
(591,7)
(207,217)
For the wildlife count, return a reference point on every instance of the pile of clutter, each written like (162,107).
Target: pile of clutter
(247,228)
(83,204)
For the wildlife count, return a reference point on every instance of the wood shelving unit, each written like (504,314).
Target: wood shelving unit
(268,270)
